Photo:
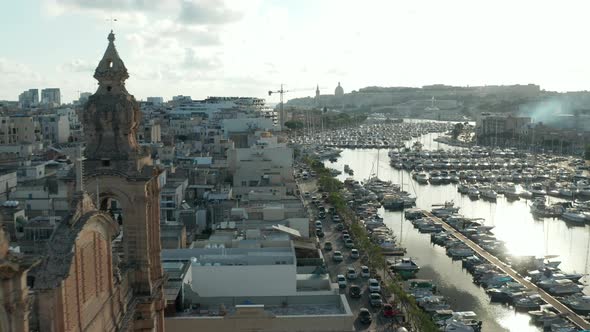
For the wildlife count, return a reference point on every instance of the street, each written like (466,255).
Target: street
(334,236)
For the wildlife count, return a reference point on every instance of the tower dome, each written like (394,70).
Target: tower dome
(339,92)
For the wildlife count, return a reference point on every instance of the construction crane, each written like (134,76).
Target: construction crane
(281,92)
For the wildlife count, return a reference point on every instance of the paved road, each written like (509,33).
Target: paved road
(575,318)
(334,236)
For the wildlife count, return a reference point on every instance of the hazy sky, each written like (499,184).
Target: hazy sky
(242,47)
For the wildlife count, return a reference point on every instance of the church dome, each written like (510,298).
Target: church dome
(339,92)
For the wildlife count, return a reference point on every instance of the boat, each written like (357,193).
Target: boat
(574,215)
(511,193)
(422,178)
(445,210)
(488,193)
(393,202)
(405,267)
(473,193)
(579,303)
(537,190)
(463,188)
(539,208)
(529,302)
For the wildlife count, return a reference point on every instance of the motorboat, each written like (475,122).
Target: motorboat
(405,264)
(574,215)
(473,193)
(422,178)
(579,303)
(488,193)
(529,302)
(537,190)
(462,188)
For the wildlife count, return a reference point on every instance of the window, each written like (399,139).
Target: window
(106,163)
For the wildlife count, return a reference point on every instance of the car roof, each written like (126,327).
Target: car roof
(340,275)
(373,280)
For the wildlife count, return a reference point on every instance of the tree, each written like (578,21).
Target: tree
(457,130)
(292,124)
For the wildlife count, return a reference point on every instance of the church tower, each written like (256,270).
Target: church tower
(118,170)
(317,95)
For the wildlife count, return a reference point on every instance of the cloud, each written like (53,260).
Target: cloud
(191,60)
(77,66)
(201,12)
(17,76)
(112,5)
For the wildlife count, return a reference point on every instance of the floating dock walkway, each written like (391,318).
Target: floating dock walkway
(560,307)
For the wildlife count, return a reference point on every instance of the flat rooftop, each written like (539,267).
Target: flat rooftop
(231,256)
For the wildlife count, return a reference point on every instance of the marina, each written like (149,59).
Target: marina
(508,218)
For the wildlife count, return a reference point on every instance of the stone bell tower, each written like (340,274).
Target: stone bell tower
(118,169)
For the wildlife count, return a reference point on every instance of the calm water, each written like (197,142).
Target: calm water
(512,221)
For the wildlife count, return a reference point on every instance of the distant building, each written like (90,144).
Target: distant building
(28,98)
(18,129)
(155,100)
(55,128)
(317,95)
(492,127)
(339,91)
(83,98)
(51,97)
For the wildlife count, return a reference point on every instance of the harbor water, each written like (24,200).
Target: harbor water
(512,221)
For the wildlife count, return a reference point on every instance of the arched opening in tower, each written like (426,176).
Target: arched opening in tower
(113,207)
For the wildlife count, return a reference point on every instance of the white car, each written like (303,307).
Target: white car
(341,281)
(365,272)
(351,273)
(354,254)
(374,286)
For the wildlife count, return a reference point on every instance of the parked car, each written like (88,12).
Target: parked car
(342,281)
(318,224)
(351,273)
(336,218)
(337,256)
(365,316)
(340,227)
(306,194)
(322,215)
(331,209)
(390,311)
(375,299)
(355,291)
(365,272)
(354,254)
(348,243)
(374,286)
(345,237)
(319,232)
(328,246)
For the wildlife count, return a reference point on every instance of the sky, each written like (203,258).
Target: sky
(246,47)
